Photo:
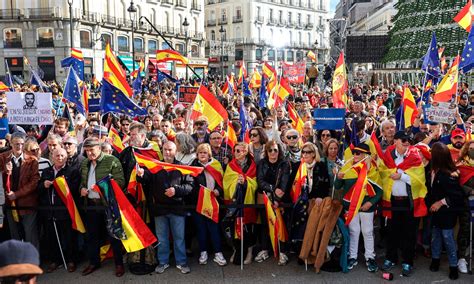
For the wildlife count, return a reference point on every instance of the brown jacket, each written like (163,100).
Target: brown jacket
(27,194)
(313,72)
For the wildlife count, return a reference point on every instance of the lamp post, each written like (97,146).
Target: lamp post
(132,10)
(69,2)
(186,25)
(222,31)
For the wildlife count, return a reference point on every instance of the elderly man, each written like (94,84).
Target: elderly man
(22,172)
(53,141)
(59,218)
(200,134)
(168,190)
(74,158)
(219,152)
(96,167)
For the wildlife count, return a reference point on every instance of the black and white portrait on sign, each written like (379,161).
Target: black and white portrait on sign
(30,100)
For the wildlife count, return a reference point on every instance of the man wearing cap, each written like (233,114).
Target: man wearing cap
(200,134)
(74,158)
(97,166)
(458,138)
(19,262)
(463,106)
(100,132)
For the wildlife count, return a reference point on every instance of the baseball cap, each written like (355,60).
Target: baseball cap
(362,148)
(401,135)
(18,258)
(70,139)
(91,142)
(458,132)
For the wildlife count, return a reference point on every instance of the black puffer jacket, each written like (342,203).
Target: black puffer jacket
(273,176)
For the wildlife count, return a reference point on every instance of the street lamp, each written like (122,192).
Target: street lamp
(69,2)
(132,10)
(222,31)
(186,25)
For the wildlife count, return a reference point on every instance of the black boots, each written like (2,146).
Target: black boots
(453,273)
(434,266)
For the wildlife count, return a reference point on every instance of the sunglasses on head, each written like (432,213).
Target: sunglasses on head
(293,137)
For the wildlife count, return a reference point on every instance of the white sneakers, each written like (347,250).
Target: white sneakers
(218,258)
(462,265)
(283,259)
(262,256)
(203,258)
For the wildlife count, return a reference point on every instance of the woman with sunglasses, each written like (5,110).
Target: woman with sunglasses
(240,186)
(332,161)
(258,139)
(272,178)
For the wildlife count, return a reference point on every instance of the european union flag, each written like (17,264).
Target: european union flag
(137,84)
(243,121)
(354,137)
(162,75)
(246,88)
(113,100)
(400,119)
(431,63)
(467,56)
(72,91)
(76,64)
(262,102)
(8,76)
(36,80)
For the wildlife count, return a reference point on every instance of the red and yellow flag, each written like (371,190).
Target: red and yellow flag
(464,17)
(312,56)
(356,194)
(285,90)
(62,189)
(231,135)
(255,80)
(85,98)
(272,224)
(282,231)
(115,140)
(207,104)
(339,84)
(141,67)
(135,188)
(114,73)
(207,204)
(299,182)
(15,215)
(268,70)
(77,53)
(410,111)
(170,55)
(214,168)
(4,87)
(155,166)
(447,87)
(242,73)
(153,151)
(296,121)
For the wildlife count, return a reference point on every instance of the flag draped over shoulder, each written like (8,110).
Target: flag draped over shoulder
(359,190)
(137,234)
(207,204)
(339,84)
(214,168)
(412,165)
(464,17)
(155,166)
(114,74)
(170,55)
(447,87)
(113,100)
(207,104)
(272,224)
(410,111)
(300,180)
(62,189)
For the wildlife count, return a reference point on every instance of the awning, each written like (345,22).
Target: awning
(162,66)
(127,61)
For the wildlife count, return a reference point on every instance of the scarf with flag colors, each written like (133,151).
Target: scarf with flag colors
(300,180)
(15,215)
(155,166)
(464,17)
(231,175)
(115,140)
(166,55)
(207,204)
(272,224)
(62,189)
(339,84)
(412,165)
(410,111)
(114,74)
(138,235)
(447,87)
(214,168)
(296,120)
(207,104)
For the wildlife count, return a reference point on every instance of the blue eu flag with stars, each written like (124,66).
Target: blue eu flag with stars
(467,56)
(76,64)
(113,100)
(72,91)
(431,63)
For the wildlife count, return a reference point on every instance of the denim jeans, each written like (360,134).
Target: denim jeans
(447,236)
(163,225)
(206,228)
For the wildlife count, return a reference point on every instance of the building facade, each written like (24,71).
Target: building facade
(266,30)
(40,31)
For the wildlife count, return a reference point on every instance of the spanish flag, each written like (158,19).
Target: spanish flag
(300,181)
(207,104)
(412,165)
(137,232)
(285,90)
(242,73)
(464,17)
(114,74)
(466,173)
(170,55)
(62,189)
(214,168)
(282,231)
(85,98)
(207,204)
(77,53)
(268,70)
(410,111)
(141,67)
(339,84)
(155,166)
(15,215)
(255,80)
(153,151)
(356,194)
(447,87)
(4,87)
(135,188)
(115,140)
(296,121)
(231,137)
(312,56)
(272,224)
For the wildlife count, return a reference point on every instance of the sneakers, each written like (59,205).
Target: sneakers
(351,263)
(462,265)
(406,270)
(262,256)
(387,265)
(161,268)
(219,259)
(203,258)
(283,259)
(184,268)
(372,265)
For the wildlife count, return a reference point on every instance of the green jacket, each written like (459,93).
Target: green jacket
(106,164)
(347,184)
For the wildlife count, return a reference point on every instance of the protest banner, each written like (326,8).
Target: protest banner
(29,108)
(330,118)
(3,127)
(94,105)
(440,112)
(295,73)
(187,95)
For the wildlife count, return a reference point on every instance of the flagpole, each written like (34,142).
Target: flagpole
(457,85)
(242,242)
(59,243)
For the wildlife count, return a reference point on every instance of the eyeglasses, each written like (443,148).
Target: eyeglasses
(325,135)
(272,150)
(253,134)
(405,140)
(200,123)
(67,143)
(34,150)
(126,125)
(293,137)
(307,152)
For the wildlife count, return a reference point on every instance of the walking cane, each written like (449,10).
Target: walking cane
(59,244)
(242,243)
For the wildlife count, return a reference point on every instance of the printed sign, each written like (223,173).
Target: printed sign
(29,108)
(295,73)
(440,112)
(330,118)
(94,105)
(187,95)
(3,127)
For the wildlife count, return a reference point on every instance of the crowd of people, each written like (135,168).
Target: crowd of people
(423,178)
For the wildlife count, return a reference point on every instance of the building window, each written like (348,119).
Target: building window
(239,54)
(213,15)
(85,39)
(238,12)
(281,55)
(152,46)
(271,14)
(107,38)
(12,38)
(300,40)
(213,35)
(280,16)
(45,37)
(271,55)
(194,51)
(258,54)
(180,48)
(164,45)
(224,14)
(299,55)
(224,35)
(259,34)
(138,44)
(289,56)
(309,40)
(123,43)
(298,18)
(289,17)
(258,11)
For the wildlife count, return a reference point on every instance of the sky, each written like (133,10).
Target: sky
(332,5)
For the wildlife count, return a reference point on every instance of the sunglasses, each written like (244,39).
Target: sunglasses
(356,153)
(34,150)
(200,123)
(253,134)
(67,143)
(325,135)
(405,140)
(306,152)
(292,137)
(272,150)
